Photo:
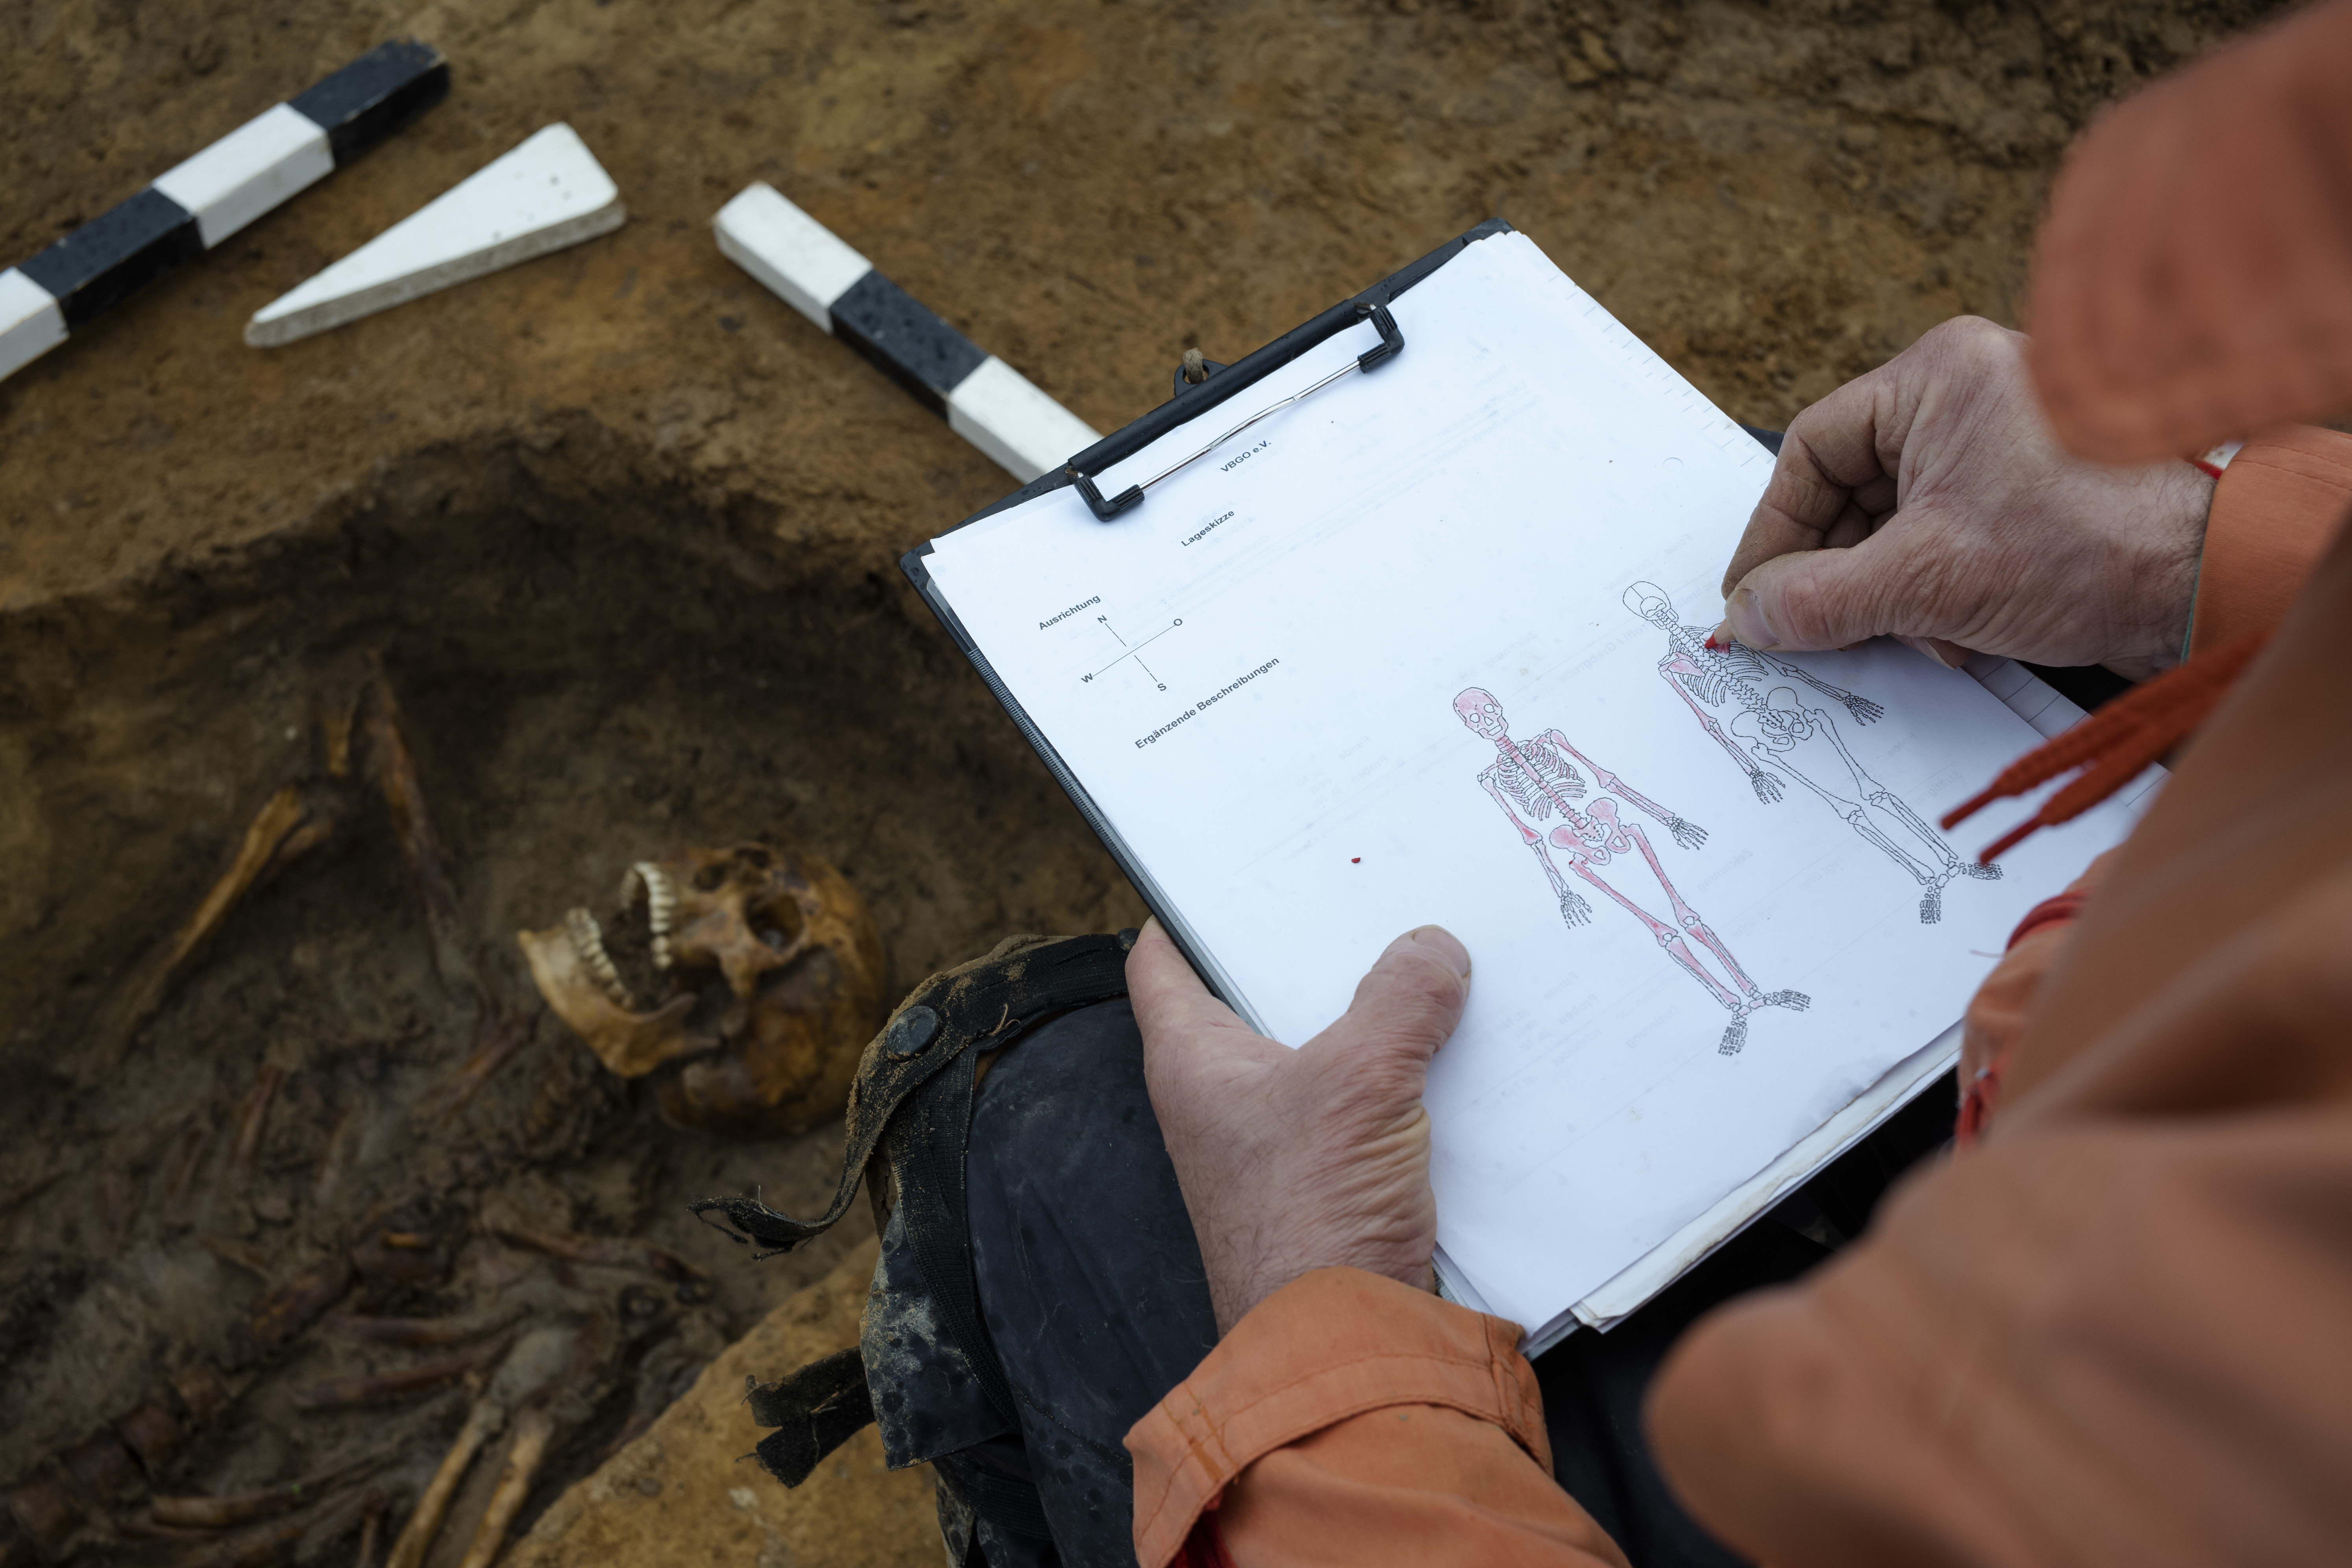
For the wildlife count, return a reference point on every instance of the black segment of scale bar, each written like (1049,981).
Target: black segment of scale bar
(905,340)
(115,255)
(374,95)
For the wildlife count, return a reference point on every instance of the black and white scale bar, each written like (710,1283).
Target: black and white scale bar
(984,400)
(196,206)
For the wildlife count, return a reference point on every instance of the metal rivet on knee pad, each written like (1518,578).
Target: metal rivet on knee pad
(911,1031)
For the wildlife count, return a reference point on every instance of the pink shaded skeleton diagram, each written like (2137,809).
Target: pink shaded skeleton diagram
(1773,733)
(1538,777)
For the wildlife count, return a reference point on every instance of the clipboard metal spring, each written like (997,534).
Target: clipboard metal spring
(1392,342)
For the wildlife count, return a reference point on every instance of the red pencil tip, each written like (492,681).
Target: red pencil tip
(1711,643)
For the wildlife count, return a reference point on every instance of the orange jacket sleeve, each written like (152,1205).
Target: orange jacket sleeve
(1351,1419)
(2278,505)
(2194,278)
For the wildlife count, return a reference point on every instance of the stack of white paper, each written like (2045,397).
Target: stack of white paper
(1421,649)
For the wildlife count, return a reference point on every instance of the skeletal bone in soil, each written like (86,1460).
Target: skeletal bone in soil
(227,1512)
(358,743)
(745,980)
(216,1169)
(507,1225)
(539,1358)
(535,1428)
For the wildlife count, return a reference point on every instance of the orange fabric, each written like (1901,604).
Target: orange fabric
(1995,1020)
(1351,1419)
(2113,1333)
(2057,909)
(2107,1340)
(2193,283)
(1206,1547)
(2277,506)
(2114,745)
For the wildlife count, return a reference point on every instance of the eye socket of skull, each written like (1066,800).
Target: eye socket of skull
(777,921)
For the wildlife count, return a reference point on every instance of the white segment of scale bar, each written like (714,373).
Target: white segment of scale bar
(31,324)
(794,257)
(250,171)
(1002,412)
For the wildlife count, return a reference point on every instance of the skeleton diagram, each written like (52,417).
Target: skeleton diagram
(1539,778)
(1773,733)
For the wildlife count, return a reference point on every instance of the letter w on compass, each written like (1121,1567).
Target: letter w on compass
(1537,781)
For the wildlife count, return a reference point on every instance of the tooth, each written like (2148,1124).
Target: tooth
(661,903)
(588,941)
(661,898)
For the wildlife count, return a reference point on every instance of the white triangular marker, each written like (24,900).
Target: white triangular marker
(545,194)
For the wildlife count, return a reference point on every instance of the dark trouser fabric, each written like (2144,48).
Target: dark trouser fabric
(1092,1291)
(1089,1280)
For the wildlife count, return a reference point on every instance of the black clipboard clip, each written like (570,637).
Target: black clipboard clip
(1390,345)
(1189,402)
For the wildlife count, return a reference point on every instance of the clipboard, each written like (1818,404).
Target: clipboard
(1218,388)
(1190,401)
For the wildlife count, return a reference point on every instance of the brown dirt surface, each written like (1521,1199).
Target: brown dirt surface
(620,530)
(684,1492)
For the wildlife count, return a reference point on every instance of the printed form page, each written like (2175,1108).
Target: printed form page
(1428,647)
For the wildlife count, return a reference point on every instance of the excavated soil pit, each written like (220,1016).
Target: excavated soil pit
(586,675)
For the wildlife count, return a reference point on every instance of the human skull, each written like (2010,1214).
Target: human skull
(1478,709)
(1649,601)
(744,981)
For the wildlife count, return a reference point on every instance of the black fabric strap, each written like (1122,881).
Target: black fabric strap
(927,1158)
(814,1411)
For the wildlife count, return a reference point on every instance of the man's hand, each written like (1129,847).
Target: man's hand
(1927,500)
(1297,1159)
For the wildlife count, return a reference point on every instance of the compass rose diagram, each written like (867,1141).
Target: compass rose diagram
(1124,650)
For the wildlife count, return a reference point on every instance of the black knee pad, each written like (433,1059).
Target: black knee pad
(1039,1288)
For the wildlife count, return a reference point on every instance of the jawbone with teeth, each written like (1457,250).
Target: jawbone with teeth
(746,981)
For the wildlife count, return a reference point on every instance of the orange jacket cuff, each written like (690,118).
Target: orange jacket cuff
(2278,506)
(1329,1345)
